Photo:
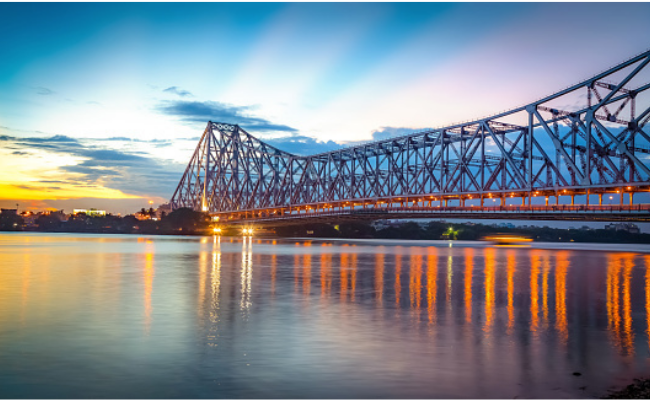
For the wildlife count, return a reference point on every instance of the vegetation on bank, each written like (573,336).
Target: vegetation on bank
(185,221)
(456,231)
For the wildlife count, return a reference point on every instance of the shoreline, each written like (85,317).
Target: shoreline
(540,245)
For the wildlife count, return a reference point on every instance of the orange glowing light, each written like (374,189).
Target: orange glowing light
(432,287)
(561,268)
(490,272)
(469,267)
(511,288)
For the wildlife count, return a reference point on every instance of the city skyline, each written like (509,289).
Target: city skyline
(103,106)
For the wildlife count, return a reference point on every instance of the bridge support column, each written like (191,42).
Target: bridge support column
(481,201)
(546,197)
(600,199)
(573,199)
(523,201)
(631,197)
(446,202)
(621,197)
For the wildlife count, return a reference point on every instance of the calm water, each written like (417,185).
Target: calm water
(128,316)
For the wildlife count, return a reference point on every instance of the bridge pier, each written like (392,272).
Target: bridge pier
(631,197)
(546,197)
(573,199)
(600,199)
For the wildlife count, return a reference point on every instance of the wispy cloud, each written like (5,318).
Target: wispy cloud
(302,145)
(131,172)
(388,132)
(178,91)
(197,111)
(43,91)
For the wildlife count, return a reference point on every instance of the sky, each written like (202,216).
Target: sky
(101,105)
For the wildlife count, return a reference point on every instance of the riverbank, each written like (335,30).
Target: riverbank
(640,389)
(185,221)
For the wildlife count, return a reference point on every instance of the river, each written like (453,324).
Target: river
(113,316)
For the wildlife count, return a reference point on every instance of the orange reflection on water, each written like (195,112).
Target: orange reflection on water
(26,282)
(398,284)
(246,273)
(415,281)
(628,261)
(203,259)
(325,274)
(148,286)
(489,287)
(432,288)
(613,307)
(534,290)
(511,289)
(545,272)
(216,279)
(469,267)
(353,275)
(450,275)
(306,274)
(274,270)
(344,273)
(561,268)
(647,297)
(379,275)
(296,269)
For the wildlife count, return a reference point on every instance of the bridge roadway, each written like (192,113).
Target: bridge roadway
(620,213)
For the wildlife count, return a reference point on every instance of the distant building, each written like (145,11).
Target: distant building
(9,211)
(623,226)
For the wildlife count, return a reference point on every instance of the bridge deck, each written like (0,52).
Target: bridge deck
(637,213)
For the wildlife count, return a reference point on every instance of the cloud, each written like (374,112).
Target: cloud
(387,132)
(96,165)
(43,91)
(302,145)
(126,139)
(178,91)
(197,111)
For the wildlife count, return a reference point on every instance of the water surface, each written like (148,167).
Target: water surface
(133,316)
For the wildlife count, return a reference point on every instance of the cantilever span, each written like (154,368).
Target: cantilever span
(591,138)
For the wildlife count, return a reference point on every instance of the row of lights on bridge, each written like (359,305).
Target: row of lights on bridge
(249,231)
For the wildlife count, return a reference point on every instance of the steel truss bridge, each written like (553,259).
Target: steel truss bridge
(589,141)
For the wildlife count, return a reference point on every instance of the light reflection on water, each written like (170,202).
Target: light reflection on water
(128,316)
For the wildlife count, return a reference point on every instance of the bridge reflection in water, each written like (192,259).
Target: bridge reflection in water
(565,307)
(320,318)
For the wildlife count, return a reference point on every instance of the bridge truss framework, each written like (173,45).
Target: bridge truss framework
(598,144)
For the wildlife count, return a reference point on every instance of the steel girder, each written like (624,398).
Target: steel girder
(598,138)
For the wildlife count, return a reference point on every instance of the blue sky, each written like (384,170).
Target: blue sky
(125,89)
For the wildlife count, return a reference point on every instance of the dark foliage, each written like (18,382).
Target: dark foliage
(640,389)
(11,222)
(181,221)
